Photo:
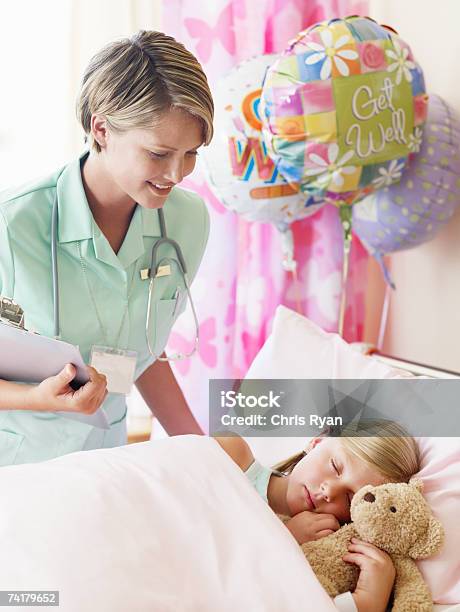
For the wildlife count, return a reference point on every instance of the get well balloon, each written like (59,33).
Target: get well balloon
(409,213)
(343,108)
(237,164)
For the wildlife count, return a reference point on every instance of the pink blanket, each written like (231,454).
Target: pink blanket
(170,526)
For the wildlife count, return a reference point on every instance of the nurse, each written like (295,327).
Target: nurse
(146,108)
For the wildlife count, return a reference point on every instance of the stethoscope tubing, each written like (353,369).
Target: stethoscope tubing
(54,263)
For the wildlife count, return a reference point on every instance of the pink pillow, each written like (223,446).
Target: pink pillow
(440,474)
(297,348)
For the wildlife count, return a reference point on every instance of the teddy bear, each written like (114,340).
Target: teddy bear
(394,517)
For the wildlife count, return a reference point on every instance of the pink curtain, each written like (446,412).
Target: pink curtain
(241,280)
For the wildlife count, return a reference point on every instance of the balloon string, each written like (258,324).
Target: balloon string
(295,280)
(343,299)
(384,317)
(385,271)
(345,216)
(289,263)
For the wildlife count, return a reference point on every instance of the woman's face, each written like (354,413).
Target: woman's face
(326,479)
(139,159)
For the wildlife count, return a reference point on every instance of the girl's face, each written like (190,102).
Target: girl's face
(326,479)
(139,159)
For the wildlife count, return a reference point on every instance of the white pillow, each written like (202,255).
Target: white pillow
(298,348)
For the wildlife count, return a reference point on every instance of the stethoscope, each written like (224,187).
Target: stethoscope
(152,273)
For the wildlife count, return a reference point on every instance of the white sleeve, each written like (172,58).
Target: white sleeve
(345,602)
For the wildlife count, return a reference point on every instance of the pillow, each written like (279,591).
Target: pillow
(440,473)
(297,348)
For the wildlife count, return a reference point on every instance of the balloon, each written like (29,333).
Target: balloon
(342,109)
(236,162)
(405,215)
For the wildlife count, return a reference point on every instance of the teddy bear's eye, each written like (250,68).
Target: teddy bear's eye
(392,509)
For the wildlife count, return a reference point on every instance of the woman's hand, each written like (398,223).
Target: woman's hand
(376,576)
(55,393)
(307,526)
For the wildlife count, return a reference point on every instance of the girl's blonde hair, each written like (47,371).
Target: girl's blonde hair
(134,81)
(383,445)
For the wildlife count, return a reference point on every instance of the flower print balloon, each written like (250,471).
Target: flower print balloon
(343,108)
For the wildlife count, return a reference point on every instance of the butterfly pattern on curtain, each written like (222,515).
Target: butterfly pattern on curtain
(241,280)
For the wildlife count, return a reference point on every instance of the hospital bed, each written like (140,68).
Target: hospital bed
(149,529)
(169,526)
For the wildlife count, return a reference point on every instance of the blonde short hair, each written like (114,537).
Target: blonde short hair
(384,446)
(134,81)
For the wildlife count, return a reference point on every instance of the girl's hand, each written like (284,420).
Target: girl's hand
(307,526)
(376,576)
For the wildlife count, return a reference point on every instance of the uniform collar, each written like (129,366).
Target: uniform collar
(76,221)
(75,218)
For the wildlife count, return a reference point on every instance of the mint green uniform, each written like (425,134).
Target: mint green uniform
(26,277)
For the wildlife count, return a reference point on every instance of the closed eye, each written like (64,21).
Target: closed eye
(158,155)
(334,466)
(337,471)
(162,155)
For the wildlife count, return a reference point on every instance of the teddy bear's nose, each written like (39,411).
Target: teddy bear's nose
(369,497)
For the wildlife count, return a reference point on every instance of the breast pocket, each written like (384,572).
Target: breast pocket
(160,327)
(10,443)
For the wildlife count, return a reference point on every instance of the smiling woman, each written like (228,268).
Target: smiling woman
(127,242)
(146,164)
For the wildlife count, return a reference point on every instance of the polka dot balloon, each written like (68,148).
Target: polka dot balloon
(409,213)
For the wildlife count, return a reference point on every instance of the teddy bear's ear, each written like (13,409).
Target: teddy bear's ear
(417,483)
(430,542)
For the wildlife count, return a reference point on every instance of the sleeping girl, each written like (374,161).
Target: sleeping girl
(314,488)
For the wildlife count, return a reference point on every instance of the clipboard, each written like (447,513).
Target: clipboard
(28,357)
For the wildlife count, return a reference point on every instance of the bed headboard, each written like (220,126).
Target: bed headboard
(419,369)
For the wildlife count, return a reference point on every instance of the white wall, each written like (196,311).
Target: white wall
(34,114)
(424,316)
(44,48)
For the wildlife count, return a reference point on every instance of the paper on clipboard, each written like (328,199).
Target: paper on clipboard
(29,357)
